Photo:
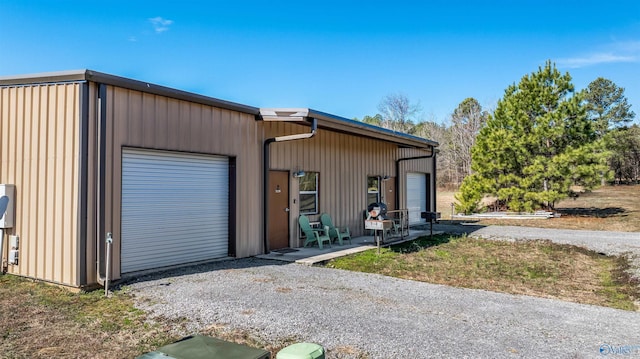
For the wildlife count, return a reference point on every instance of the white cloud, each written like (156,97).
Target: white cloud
(615,52)
(595,59)
(133,39)
(631,46)
(160,24)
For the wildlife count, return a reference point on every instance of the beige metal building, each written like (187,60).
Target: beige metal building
(171,177)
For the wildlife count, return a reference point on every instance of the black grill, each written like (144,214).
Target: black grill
(382,206)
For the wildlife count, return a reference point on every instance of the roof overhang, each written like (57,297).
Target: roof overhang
(344,125)
(102,78)
(284,114)
(325,120)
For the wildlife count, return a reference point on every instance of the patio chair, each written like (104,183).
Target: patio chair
(335,232)
(313,235)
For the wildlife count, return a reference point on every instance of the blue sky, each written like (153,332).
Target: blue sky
(338,57)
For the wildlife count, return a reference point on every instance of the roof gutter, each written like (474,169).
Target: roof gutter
(265,173)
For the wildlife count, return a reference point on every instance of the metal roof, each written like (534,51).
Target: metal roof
(361,128)
(325,120)
(99,77)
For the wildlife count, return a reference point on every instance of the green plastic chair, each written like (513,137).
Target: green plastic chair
(312,235)
(335,232)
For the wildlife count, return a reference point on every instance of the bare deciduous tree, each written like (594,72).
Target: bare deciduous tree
(440,133)
(466,121)
(456,137)
(398,113)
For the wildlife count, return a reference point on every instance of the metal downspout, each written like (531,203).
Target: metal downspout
(265,175)
(100,183)
(435,176)
(265,196)
(83,171)
(432,155)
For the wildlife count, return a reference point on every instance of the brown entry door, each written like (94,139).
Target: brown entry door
(278,209)
(389,188)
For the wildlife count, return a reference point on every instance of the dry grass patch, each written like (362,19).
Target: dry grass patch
(244,337)
(610,208)
(42,321)
(346,351)
(537,268)
(444,199)
(38,320)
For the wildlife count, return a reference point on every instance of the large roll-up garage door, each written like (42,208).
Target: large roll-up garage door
(175,208)
(416,196)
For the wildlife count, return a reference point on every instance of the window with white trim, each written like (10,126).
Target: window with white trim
(373,189)
(309,193)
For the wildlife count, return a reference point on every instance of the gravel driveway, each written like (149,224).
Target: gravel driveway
(351,313)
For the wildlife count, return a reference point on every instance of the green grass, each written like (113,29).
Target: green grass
(38,320)
(42,321)
(538,268)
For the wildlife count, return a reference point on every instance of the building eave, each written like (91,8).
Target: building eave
(365,129)
(99,77)
(325,120)
(345,125)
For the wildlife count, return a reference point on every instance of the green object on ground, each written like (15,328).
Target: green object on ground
(301,351)
(201,347)
(311,235)
(334,232)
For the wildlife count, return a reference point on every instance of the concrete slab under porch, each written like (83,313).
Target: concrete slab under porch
(314,255)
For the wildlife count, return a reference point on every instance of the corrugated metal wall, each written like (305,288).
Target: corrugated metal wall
(40,153)
(420,166)
(39,148)
(344,161)
(137,119)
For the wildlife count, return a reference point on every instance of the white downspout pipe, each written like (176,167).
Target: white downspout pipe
(108,264)
(2,268)
(100,171)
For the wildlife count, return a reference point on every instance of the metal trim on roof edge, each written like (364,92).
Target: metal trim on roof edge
(99,77)
(327,120)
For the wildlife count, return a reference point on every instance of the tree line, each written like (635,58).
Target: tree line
(542,140)
(456,136)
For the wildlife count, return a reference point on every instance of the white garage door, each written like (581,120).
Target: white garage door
(416,196)
(175,209)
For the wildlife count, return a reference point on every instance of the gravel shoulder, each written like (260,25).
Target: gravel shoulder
(355,315)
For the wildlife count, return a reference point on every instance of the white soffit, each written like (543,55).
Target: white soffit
(284,114)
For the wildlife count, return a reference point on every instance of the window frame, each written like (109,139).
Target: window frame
(316,193)
(377,192)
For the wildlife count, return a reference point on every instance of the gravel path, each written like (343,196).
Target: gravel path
(352,314)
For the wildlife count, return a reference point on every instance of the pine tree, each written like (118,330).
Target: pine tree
(537,145)
(607,106)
